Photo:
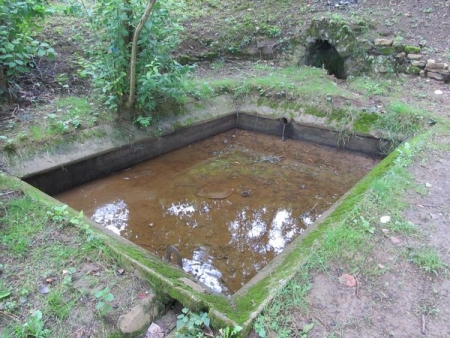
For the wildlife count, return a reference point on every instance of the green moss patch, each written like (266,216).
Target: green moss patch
(412,49)
(365,122)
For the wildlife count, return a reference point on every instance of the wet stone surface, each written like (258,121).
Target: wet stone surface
(229,204)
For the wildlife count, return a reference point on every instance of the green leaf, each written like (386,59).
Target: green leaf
(308,327)
(41,52)
(206,321)
(9,46)
(6,56)
(4,294)
(37,315)
(109,297)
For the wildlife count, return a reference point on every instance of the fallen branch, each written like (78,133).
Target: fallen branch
(356,287)
(423,324)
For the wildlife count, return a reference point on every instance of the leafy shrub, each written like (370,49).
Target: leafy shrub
(18,19)
(158,75)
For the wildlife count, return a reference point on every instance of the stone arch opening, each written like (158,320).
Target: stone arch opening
(322,54)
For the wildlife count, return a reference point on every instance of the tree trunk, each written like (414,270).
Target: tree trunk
(3,84)
(134,49)
(128,26)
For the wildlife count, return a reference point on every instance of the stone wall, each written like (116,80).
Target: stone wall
(388,56)
(360,55)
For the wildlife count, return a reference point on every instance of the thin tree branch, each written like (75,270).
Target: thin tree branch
(137,33)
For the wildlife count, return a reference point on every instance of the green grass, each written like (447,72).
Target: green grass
(401,120)
(277,317)
(294,82)
(427,259)
(371,86)
(51,125)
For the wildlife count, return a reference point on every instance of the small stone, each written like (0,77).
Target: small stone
(418,63)
(44,289)
(154,331)
(383,42)
(140,316)
(442,71)
(431,64)
(382,69)
(303,186)
(435,76)
(401,55)
(438,92)
(428,185)
(434,216)
(395,240)
(385,231)
(381,266)
(348,280)
(365,44)
(422,73)
(413,70)
(414,56)
(385,219)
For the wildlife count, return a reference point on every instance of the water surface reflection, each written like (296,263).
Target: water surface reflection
(267,192)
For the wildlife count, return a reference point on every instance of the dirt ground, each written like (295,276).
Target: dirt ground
(404,301)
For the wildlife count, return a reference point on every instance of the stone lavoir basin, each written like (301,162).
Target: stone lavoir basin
(240,197)
(229,204)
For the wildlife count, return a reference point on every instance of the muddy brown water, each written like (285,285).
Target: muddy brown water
(229,203)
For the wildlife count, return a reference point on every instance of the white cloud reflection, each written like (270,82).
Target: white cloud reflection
(201,267)
(113,216)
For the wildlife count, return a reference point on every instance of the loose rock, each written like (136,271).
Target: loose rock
(383,42)
(435,76)
(414,56)
(140,316)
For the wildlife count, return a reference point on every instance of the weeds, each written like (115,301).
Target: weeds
(191,324)
(104,299)
(400,121)
(276,318)
(427,259)
(143,121)
(33,327)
